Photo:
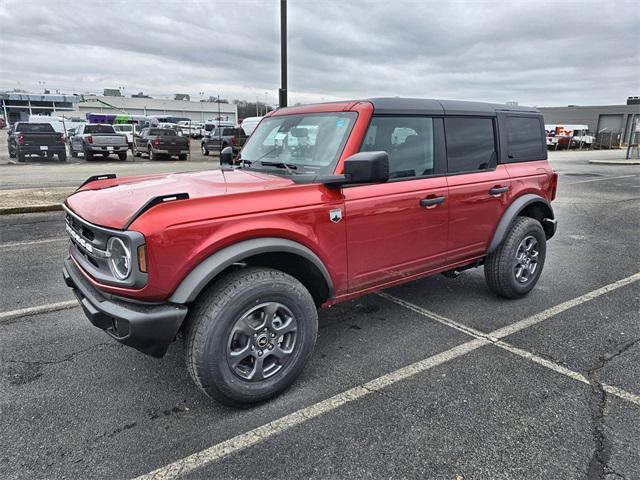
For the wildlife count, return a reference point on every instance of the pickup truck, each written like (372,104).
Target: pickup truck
(355,197)
(98,139)
(222,137)
(160,142)
(35,139)
(127,129)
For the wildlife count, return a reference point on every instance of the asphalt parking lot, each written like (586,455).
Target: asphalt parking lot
(434,379)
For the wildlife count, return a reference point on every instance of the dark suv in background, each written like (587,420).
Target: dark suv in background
(222,137)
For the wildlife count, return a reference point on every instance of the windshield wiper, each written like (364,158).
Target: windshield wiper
(289,166)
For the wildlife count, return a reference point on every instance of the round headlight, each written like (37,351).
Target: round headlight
(119,258)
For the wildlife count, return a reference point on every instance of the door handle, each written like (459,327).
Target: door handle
(431,202)
(498,190)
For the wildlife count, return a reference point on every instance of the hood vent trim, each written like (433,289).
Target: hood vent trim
(152,202)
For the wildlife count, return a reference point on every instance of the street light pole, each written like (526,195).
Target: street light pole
(283,53)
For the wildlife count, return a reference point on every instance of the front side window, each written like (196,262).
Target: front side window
(306,143)
(524,139)
(407,140)
(471,144)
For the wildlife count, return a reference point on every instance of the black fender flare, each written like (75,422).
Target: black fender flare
(517,206)
(191,286)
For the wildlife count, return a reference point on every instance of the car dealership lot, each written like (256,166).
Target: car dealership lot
(415,383)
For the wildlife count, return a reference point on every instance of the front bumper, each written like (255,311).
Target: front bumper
(147,327)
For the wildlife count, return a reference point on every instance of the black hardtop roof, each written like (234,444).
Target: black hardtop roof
(426,106)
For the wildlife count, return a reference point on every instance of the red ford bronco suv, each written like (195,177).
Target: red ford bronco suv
(328,202)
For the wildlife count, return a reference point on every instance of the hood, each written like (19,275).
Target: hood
(112,202)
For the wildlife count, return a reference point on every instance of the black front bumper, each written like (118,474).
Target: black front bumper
(147,327)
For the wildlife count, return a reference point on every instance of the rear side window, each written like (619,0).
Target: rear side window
(407,140)
(471,144)
(525,140)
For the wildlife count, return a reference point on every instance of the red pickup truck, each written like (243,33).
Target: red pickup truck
(328,202)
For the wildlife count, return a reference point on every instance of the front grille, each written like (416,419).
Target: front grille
(89,249)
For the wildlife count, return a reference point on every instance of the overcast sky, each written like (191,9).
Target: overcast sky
(533,52)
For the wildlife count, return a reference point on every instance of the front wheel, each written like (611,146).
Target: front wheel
(514,268)
(205,152)
(122,156)
(250,335)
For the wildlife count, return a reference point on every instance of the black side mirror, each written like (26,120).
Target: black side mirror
(226,156)
(367,167)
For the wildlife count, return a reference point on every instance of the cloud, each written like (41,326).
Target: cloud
(538,53)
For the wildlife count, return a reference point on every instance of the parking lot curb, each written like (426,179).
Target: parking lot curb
(615,162)
(51,207)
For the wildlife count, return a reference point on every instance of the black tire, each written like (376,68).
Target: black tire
(502,267)
(210,326)
(88,156)
(21,156)
(152,156)
(62,157)
(204,150)
(136,152)
(182,157)
(74,154)
(12,153)
(122,156)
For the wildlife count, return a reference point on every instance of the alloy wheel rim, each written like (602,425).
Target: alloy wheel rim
(527,256)
(262,341)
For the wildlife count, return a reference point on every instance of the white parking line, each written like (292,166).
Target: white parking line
(32,242)
(494,337)
(240,442)
(24,312)
(598,179)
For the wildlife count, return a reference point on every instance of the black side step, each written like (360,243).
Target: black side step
(152,202)
(104,176)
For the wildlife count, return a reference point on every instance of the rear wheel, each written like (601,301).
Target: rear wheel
(122,156)
(514,268)
(21,156)
(88,156)
(62,157)
(182,157)
(250,335)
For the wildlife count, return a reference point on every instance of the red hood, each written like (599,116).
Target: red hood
(111,203)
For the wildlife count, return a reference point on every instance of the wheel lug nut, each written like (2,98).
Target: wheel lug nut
(259,353)
(273,335)
(271,346)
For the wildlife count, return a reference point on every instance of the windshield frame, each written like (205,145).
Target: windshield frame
(299,168)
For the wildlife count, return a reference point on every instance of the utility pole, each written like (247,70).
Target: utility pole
(283,53)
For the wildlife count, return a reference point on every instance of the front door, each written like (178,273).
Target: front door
(398,229)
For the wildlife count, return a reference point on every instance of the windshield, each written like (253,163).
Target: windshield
(305,143)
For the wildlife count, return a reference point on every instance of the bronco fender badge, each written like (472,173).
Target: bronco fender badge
(335,215)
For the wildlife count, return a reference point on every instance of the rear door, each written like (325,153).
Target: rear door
(479,188)
(398,229)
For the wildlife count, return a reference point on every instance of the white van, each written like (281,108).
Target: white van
(58,123)
(128,129)
(249,124)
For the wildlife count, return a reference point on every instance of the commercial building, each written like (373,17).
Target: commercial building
(197,111)
(610,122)
(16,107)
